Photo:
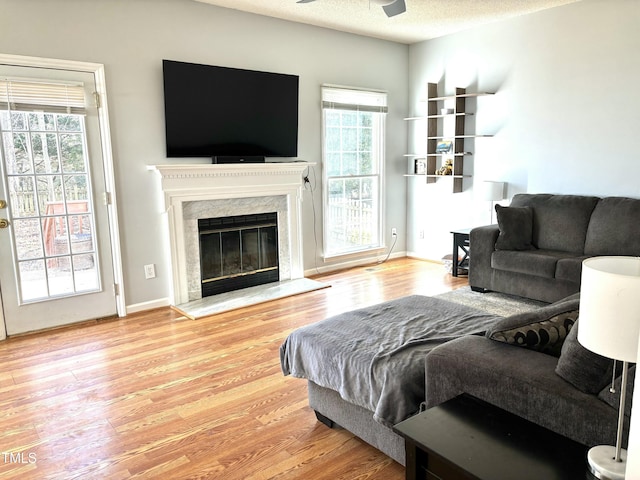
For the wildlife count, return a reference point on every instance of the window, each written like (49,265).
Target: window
(353,156)
(43,147)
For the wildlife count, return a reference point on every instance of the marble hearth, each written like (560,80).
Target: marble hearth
(209,191)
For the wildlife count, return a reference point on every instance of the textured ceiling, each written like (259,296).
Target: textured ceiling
(424,19)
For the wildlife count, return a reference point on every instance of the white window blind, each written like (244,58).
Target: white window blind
(22,95)
(340,98)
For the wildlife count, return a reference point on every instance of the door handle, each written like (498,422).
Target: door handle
(4,223)
(3,204)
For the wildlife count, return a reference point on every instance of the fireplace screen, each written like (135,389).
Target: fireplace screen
(238,252)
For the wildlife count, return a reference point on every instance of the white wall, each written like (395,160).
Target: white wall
(131,37)
(565,112)
(565,115)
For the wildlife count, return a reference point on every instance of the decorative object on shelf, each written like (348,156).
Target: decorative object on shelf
(420,166)
(609,325)
(446,169)
(492,192)
(444,146)
(446,137)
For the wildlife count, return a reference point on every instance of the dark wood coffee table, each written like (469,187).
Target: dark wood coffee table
(466,438)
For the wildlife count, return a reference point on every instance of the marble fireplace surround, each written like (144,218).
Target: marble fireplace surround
(209,191)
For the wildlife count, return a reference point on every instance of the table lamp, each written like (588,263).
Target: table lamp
(492,191)
(609,326)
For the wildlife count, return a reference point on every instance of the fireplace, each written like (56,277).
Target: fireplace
(237,252)
(203,191)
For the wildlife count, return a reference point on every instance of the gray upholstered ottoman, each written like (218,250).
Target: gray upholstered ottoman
(366,367)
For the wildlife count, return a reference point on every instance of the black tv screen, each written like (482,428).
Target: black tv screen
(215,111)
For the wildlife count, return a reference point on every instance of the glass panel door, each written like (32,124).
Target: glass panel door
(47,170)
(57,265)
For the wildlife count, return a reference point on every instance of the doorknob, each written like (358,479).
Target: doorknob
(4,223)
(3,204)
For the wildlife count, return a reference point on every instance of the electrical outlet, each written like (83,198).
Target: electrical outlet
(149,271)
(421,234)
(394,232)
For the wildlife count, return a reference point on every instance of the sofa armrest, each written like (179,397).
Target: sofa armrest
(518,380)
(482,241)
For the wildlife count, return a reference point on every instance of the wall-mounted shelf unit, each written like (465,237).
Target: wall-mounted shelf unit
(440,129)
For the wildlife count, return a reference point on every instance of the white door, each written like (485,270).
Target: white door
(56,266)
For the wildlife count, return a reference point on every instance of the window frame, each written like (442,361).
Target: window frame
(343,99)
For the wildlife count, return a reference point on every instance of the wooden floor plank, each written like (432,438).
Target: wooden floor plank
(157,395)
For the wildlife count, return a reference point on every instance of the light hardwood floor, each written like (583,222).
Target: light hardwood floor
(155,395)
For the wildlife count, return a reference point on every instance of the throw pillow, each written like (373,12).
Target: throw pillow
(585,370)
(543,330)
(516,228)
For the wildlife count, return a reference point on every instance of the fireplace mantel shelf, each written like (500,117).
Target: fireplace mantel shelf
(177,171)
(247,186)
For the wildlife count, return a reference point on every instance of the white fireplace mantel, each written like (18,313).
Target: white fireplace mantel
(209,183)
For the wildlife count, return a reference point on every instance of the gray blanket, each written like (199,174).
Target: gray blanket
(374,357)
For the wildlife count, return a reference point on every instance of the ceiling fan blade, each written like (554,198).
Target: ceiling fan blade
(305,1)
(396,8)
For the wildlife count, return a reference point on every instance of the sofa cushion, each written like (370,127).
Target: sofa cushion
(613,398)
(560,222)
(543,329)
(516,228)
(584,369)
(614,228)
(521,381)
(540,263)
(573,296)
(570,268)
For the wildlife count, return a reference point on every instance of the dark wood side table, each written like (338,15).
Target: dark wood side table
(460,242)
(465,438)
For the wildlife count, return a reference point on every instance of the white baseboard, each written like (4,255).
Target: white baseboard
(150,305)
(357,262)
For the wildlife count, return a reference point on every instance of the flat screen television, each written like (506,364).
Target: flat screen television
(213,111)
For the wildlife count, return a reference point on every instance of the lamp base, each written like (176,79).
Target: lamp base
(603,465)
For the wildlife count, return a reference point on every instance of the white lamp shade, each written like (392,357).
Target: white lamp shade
(610,307)
(493,191)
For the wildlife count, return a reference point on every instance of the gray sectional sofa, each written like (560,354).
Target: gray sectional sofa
(537,248)
(373,367)
(526,382)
